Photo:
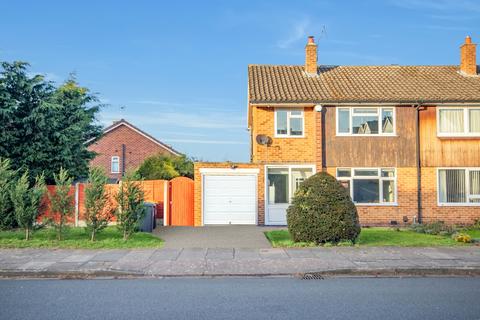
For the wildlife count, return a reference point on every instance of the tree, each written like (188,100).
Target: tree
(61,201)
(130,209)
(7,176)
(45,127)
(166,167)
(322,211)
(27,201)
(98,210)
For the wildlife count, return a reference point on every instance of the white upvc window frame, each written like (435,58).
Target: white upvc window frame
(289,168)
(379,116)
(290,116)
(467,188)
(466,122)
(378,176)
(117,159)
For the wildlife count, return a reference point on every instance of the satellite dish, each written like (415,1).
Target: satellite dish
(264,140)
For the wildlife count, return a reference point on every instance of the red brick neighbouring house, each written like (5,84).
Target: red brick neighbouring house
(124,146)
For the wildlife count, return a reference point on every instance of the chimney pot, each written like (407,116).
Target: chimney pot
(311,56)
(468,59)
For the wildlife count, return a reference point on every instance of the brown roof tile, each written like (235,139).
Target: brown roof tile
(344,84)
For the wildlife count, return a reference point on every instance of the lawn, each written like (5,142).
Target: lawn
(77,238)
(377,237)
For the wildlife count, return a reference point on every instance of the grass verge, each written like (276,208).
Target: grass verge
(376,237)
(78,238)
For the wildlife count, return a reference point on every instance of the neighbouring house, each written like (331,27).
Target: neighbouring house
(404,141)
(123,147)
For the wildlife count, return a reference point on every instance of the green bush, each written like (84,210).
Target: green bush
(61,201)
(27,201)
(7,182)
(322,211)
(130,205)
(435,228)
(166,167)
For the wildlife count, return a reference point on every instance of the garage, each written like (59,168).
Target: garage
(229,198)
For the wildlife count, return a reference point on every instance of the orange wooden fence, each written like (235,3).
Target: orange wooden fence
(175,197)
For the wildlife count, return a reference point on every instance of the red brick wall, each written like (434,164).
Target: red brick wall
(138,147)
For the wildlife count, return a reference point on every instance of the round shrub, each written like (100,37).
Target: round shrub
(322,211)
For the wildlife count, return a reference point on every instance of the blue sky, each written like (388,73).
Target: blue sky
(178,69)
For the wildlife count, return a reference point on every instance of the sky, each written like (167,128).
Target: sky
(178,69)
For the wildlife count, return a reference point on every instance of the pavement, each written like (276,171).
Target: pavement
(215,236)
(171,262)
(242,298)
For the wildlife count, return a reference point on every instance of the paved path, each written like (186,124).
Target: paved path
(214,237)
(238,261)
(242,298)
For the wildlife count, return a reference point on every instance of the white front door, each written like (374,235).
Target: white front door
(282,182)
(229,199)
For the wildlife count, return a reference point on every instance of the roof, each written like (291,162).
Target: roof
(358,84)
(123,122)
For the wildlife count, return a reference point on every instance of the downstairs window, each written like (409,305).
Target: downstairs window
(369,186)
(459,186)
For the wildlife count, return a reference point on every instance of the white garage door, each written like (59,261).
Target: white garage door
(229,199)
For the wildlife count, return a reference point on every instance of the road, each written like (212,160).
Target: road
(242,298)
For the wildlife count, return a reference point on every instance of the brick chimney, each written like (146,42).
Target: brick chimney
(468,59)
(311,56)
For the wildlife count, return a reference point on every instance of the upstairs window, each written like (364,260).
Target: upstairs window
(289,123)
(115,164)
(365,121)
(457,122)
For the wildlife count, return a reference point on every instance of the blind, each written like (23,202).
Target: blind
(452,186)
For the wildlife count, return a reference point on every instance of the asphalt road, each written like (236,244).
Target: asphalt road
(237,298)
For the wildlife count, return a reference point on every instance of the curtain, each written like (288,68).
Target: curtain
(475,186)
(452,186)
(451,121)
(474,120)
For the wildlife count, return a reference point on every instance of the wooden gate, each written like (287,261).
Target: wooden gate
(181,202)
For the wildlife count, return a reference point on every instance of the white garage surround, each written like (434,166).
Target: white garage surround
(229,196)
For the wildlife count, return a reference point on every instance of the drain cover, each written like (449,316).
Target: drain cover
(312,276)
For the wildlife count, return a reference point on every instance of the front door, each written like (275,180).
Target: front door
(282,182)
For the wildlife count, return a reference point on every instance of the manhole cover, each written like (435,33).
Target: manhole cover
(312,276)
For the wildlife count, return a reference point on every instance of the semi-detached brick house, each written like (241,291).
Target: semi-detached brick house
(404,140)
(123,147)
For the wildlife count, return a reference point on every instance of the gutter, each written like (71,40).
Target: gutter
(333,103)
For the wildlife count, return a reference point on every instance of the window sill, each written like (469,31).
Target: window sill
(473,204)
(458,137)
(367,135)
(288,137)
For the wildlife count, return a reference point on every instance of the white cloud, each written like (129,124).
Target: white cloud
(203,141)
(205,120)
(297,33)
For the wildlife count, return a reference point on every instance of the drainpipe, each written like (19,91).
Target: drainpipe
(418,107)
(323,141)
(124,154)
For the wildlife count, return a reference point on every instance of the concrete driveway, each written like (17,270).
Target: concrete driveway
(214,237)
